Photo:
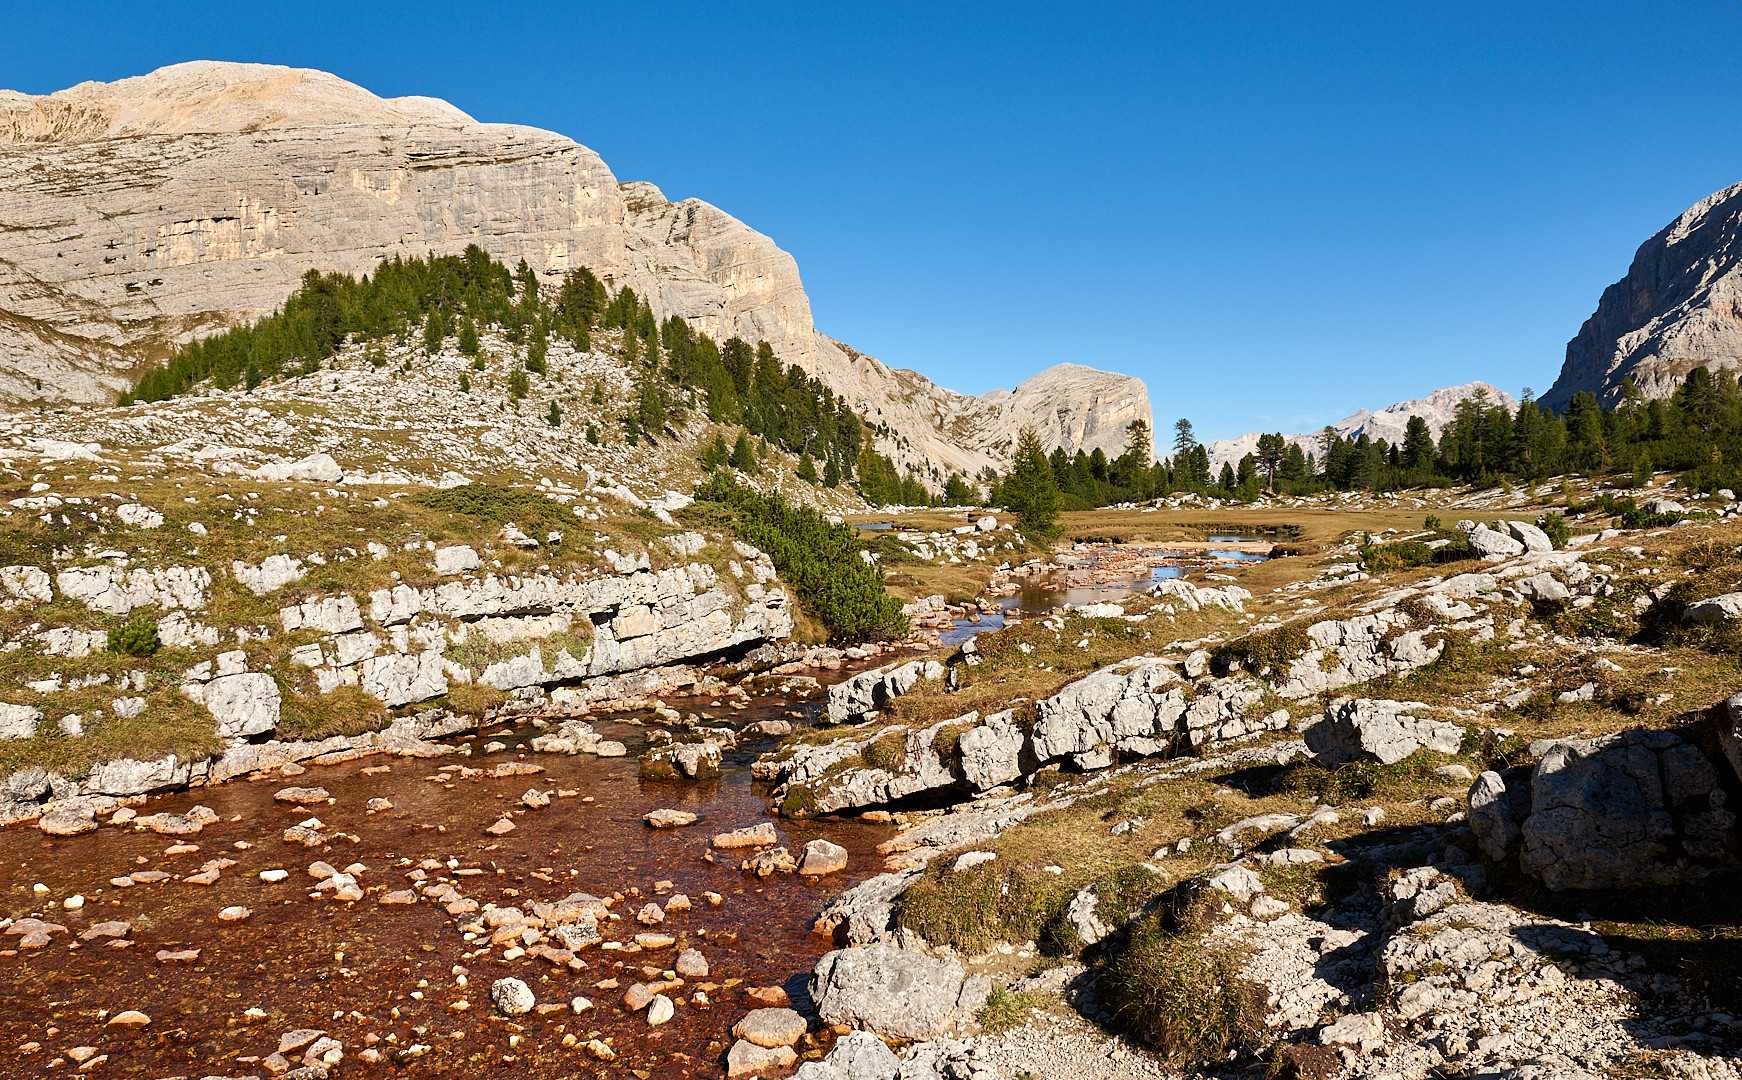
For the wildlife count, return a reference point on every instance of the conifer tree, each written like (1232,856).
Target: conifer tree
(743,457)
(468,340)
(1031,489)
(555,417)
(434,330)
(807,469)
(716,453)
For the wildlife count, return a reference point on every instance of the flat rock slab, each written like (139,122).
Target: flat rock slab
(669,819)
(771,1027)
(747,1059)
(301,795)
(762,835)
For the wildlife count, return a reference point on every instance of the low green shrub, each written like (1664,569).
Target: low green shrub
(137,638)
(971,910)
(1275,649)
(1556,527)
(536,515)
(819,560)
(1179,995)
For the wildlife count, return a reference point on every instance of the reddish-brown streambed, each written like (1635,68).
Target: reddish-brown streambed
(363,968)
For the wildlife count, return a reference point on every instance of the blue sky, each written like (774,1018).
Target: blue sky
(1274,214)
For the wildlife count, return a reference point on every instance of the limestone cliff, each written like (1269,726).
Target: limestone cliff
(140,214)
(1679,307)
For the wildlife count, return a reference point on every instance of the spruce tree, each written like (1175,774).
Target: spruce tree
(434,330)
(593,434)
(807,469)
(468,341)
(465,383)
(555,417)
(1031,489)
(743,457)
(716,453)
(831,473)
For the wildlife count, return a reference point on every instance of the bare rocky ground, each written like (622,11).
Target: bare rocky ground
(1471,821)
(1381,790)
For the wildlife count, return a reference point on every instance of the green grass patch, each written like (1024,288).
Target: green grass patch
(1181,996)
(1270,649)
(1005,1010)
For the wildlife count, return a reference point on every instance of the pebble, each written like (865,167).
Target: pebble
(234,914)
(660,1011)
(274,875)
(129,1018)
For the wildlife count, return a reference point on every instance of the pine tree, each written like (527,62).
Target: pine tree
(831,473)
(743,457)
(465,383)
(1031,489)
(535,352)
(518,384)
(715,454)
(807,469)
(593,434)
(1418,444)
(434,330)
(1183,439)
(555,417)
(1226,480)
(468,341)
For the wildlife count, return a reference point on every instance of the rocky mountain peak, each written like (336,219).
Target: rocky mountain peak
(208,96)
(1678,308)
(148,212)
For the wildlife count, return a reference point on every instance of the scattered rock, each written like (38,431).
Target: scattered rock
(822,857)
(669,819)
(771,1027)
(511,997)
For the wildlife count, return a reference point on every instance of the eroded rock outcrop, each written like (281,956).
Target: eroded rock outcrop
(1631,809)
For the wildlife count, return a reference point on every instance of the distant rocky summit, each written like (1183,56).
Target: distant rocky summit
(138,215)
(1678,308)
(1437,408)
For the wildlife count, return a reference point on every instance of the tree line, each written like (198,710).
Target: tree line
(1697,431)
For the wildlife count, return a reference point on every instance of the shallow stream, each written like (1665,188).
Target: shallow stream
(349,968)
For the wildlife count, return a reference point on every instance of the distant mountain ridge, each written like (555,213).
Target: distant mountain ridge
(138,215)
(1437,408)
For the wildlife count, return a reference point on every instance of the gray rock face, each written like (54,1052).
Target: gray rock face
(1488,543)
(1543,586)
(19,721)
(1673,312)
(868,691)
(26,583)
(1533,538)
(894,993)
(687,761)
(1386,731)
(1625,810)
(117,591)
(857,1055)
(243,705)
(1715,609)
(1349,651)
(1129,708)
